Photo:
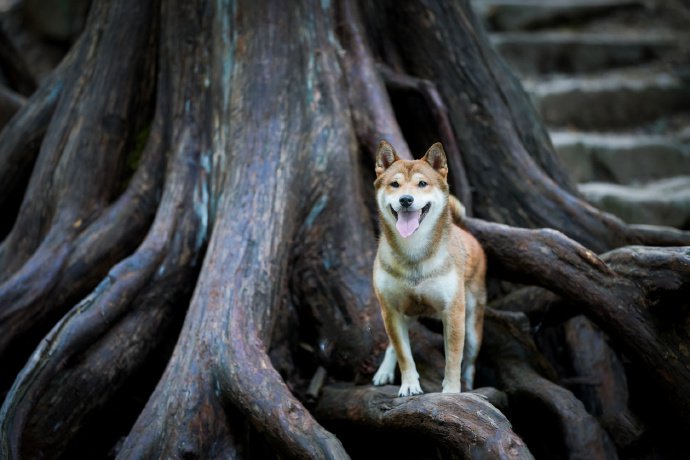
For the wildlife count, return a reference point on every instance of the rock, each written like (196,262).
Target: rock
(663,202)
(623,158)
(528,14)
(7,5)
(611,100)
(534,53)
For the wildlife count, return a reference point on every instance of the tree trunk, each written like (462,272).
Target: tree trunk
(190,241)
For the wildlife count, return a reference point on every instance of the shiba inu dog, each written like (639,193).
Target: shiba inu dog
(426,265)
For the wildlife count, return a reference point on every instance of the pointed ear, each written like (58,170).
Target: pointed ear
(385,156)
(436,157)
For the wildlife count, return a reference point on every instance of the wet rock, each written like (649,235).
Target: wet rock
(528,14)
(663,202)
(612,100)
(534,53)
(622,158)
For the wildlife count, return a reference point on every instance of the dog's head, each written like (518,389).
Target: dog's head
(410,192)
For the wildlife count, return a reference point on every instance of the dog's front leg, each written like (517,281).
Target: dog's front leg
(386,372)
(397,328)
(454,341)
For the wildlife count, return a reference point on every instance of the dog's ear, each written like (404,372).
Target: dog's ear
(436,157)
(385,156)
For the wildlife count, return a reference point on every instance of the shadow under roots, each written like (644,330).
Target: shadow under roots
(417,123)
(11,208)
(370,443)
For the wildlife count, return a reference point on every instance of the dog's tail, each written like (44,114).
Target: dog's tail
(457,211)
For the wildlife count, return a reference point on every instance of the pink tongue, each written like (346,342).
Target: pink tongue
(408,222)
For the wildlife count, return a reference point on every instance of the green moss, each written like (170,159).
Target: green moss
(134,157)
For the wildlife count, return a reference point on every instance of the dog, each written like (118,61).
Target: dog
(426,265)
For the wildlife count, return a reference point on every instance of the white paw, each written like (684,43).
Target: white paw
(410,388)
(451,387)
(383,376)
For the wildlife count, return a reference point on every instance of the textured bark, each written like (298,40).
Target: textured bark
(187,253)
(457,426)
(551,418)
(19,145)
(636,277)
(108,337)
(603,386)
(372,111)
(222,355)
(68,234)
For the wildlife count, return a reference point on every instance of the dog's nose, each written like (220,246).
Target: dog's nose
(406,201)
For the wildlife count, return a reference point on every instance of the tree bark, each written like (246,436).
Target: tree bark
(223,353)
(185,270)
(68,232)
(458,426)
(635,277)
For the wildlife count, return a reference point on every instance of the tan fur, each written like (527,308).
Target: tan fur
(438,270)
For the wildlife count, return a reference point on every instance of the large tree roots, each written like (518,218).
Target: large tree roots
(186,271)
(457,426)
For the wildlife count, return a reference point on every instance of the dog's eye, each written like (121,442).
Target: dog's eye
(422,184)
(395,184)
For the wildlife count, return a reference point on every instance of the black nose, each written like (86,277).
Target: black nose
(406,200)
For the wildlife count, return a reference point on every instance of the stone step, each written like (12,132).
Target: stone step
(531,14)
(534,53)
(664,202)
(623,158)
(610,101)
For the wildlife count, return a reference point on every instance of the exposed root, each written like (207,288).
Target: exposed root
(71,183)
(230,320)
(331,274)
(55,277)
(124,320)
(553,422)
(372,112)
(634,277)
(542,307)
(458,426)
(606,396)
(19,146)
(70,197)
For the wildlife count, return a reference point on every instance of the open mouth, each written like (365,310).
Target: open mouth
(407,222)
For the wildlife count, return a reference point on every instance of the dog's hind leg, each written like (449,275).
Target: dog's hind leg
(475,301)
(453,340)
(386,372)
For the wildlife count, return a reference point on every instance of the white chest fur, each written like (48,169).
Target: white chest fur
(428,288)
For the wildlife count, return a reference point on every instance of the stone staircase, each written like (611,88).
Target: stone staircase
(611,79)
